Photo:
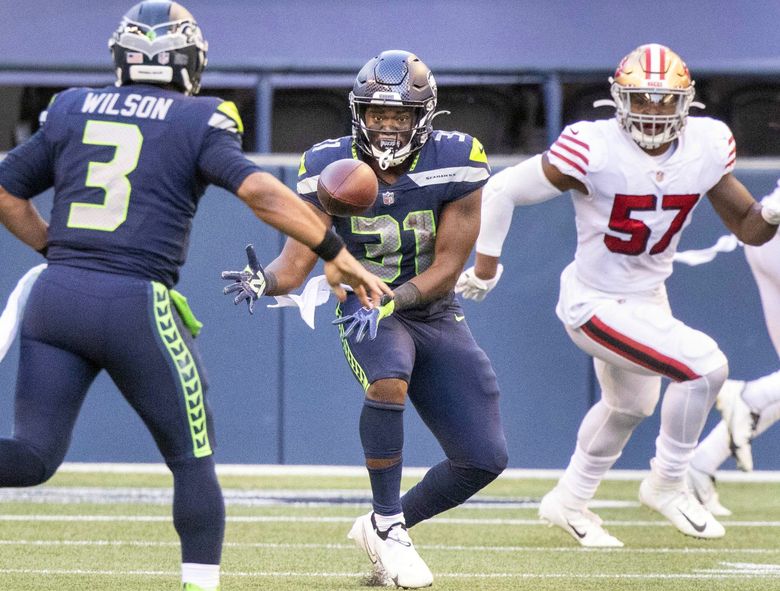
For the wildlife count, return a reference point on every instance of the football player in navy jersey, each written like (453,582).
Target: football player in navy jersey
(128,164)
(417,238)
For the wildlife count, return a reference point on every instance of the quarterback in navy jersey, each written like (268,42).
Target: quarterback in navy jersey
(128,164)
(416,237)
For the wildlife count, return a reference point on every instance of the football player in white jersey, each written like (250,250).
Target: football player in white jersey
(748,407)
(634,180)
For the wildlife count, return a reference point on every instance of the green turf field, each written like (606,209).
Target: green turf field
(98,531)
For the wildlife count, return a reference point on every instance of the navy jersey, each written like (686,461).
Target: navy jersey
(395,238)
(128,166)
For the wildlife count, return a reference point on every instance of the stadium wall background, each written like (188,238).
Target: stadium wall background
(282,393)
(512,72)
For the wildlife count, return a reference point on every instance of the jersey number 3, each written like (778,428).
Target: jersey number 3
(620,220)
(109,176)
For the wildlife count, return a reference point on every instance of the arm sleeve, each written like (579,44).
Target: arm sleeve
(522,184)
(222,162)
(28,168)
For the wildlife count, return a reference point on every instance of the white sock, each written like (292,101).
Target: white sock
(763,392)
(672,458)
(713,450)
(205,576)
(383,522)
(582,477)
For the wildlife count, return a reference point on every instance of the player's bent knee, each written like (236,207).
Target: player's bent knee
(388,391)
(717,377)
(499,457)
(472,480)
(491,457)
(23,465)
(639,405)
(702,353)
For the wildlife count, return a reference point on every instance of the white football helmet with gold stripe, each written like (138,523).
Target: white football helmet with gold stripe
(653,91)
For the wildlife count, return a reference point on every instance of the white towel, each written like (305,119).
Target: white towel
(315,293)
(14,309)
(705,255)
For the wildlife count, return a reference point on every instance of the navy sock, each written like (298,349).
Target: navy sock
(443,487)
(382,435)
(20,465)
(198,510)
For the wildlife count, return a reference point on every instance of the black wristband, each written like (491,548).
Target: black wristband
(330,246)
(43,250)
(270,283)
(407,295)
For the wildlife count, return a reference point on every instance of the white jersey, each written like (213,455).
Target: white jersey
(629,223)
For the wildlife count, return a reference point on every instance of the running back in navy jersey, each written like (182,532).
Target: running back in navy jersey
(128,166)
(395,238)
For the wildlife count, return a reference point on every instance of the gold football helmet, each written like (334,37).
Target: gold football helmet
(653,91)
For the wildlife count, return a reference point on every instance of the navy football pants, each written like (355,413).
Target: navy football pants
(452,384)
(78,322)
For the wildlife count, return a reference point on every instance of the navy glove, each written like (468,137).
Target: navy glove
(249,283)
(367,320)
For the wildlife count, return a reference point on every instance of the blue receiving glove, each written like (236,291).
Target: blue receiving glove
(249,283)
(367,320)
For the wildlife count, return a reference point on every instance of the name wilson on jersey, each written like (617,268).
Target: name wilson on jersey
(134,105)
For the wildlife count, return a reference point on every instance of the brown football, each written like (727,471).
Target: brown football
(347,187)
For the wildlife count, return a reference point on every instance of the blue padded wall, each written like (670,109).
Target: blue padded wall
(283,393)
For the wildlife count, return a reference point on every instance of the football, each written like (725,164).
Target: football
(347,187)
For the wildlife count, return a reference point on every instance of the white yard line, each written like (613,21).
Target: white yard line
(304,470)
(699,575)
(348,519)
(444,547)
(251,497)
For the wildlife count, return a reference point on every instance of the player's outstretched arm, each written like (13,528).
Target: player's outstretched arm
(751,222)
(346,269)
(274,203)
(531,181)
(23,220)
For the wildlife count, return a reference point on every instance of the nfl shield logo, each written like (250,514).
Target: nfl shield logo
(659,175)
(163,58)
(388,198)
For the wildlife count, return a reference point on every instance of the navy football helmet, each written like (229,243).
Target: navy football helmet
(394,78)
(159,42)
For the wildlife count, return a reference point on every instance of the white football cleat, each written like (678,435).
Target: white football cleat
(675,502)
(392,552)
(702,486)
(582,525)
(740,422)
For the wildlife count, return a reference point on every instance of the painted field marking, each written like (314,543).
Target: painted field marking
(292,574)
(445,547)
